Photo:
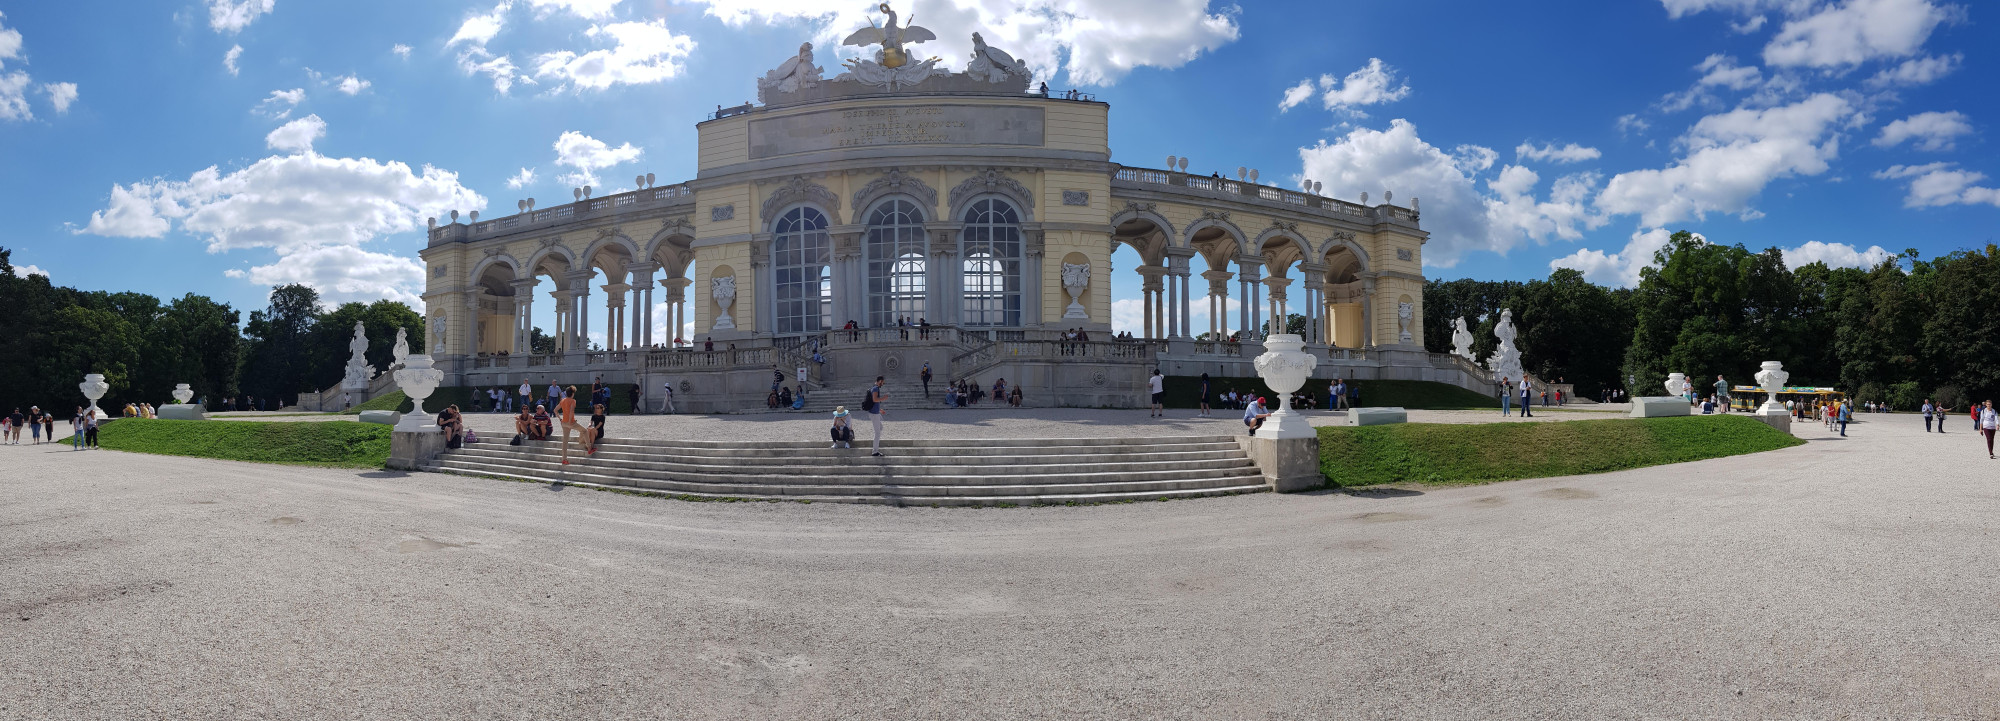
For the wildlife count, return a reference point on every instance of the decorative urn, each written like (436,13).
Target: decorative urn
(1285,366)
(94,387)
(418,380)
(1772,378)
(1677,384)
(183,394)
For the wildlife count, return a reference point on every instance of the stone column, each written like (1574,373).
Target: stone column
(944,296)
(1150,288)
(642,299)
(849,292)
(1368,312)
(1253,314)
(1031,278)
(676,289)
(1280,313)
(614,315)
(1218,302)
(471,324)
(1315,309)
(580,317)
(524,316)
(561,332)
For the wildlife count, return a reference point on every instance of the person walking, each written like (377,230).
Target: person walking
(49,426)
(634,396)
(35,425)
(1927,415)
(1942,411)
(1989,421)
(1158,385)
(1527,395)
(667,397)
(1846,415)
(566,411)
(76,428)
(90,430)
(1204,395)
(872,404)
(925,376)
(1506,397)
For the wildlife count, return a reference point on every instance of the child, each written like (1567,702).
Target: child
(843,432)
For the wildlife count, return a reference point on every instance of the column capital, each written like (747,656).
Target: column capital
(675,285)
(520,284)
(1276,283)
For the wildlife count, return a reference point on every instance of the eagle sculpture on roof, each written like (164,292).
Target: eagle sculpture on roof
(890,37)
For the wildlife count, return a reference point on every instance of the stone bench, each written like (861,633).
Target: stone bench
(181,412)
(1659,407)
(387,418)
(1374,416)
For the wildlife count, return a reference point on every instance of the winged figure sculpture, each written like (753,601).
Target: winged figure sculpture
(890,37)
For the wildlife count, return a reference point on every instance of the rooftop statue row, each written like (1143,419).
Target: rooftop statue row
(798,79)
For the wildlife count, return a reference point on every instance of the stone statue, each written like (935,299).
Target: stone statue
(438,335)
(1461,339)
(402,350)
(795,74)
(891,67)
(992,64)
(357,373)
(1506,360)
(1405,312)
(723,289)
(358,345)
(1075,279)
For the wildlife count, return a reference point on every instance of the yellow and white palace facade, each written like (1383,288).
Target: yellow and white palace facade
(912,193)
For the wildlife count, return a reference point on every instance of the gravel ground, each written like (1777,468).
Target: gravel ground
(1847,578)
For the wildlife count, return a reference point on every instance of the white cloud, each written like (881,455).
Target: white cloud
(297,136)
(1620,268)
(1939,184)
(1917,71)
(14,96)
(1628,124)
(1933,131)
(1722,70)
(589,155)
(1459,217)
(60,95)
(313,211)
(229,58)
(1730,158)
(1855,31)
(10,42)
(1374,84)
(1835,255)
(1678,9)
(522,179)
(280,103)
(643,52)
(401,50)
(1096,42)
(479,30)
(1571,153)
(501,69)
(1750,26)
(28,270)
(1295,95)
(232,16)
(350,84)
(580,8)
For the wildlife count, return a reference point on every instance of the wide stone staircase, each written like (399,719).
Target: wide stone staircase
(915,473)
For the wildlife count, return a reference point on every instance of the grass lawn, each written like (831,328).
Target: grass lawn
(343,444)
(1452,454)
(1185,391)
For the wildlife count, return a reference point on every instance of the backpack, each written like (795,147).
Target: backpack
(868,400)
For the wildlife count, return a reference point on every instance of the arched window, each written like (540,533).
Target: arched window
(800,255)
(895,249)
(991,247)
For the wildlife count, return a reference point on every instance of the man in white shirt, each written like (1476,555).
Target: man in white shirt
(1158,385)
(1527,394)
(527,394)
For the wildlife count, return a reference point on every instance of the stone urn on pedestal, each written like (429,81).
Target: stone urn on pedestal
(1076,280)
(1677,385)
(1772,379)
(1284,366)
(418,380)
(94,387)
(183,394)
(181,410)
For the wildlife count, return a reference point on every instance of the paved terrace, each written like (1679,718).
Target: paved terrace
(1843,578)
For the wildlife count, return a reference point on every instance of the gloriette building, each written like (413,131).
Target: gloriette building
(899,189)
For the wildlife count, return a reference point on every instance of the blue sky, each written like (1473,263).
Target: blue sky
(146,152)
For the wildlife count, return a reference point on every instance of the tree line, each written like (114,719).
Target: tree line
(55,335)
(1902,331)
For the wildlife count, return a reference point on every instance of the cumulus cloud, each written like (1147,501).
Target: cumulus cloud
(231,16)
(1722,70)
(316,213)
(350,84)
(1096,42)
(641,52)
(1628,124)
(522,179)
(499,68)
(229,58)
(1917,71)
(1835,255)
(28,270)
(1295,95)
(478,30)
(280,103)
(1459,217)
(297,136)
(401,50)
(1571,153)
(1855,31)
(1374,84)
(1932,131)
(1940,184)
(14,96)
(60,96)
(580,8)
(1620,268)
(589,155)
(1678,9)
(1730,158)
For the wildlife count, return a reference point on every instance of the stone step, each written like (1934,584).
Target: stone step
(926,476)
(986,495)
(821,450)
(857,461)
(967,445)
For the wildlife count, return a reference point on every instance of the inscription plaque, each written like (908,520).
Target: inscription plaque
(896,125)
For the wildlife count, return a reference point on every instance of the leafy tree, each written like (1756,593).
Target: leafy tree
(278,357)
(380,320)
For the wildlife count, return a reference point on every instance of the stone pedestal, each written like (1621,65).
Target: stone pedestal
(410,449)
(1659,407)
(1781,420)
(1289,464)
(1374,416)
(181,412)
(387,418)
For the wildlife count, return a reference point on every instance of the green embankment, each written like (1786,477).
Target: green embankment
(1469,454)
(621,401)
(344,444)
(1183,392)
